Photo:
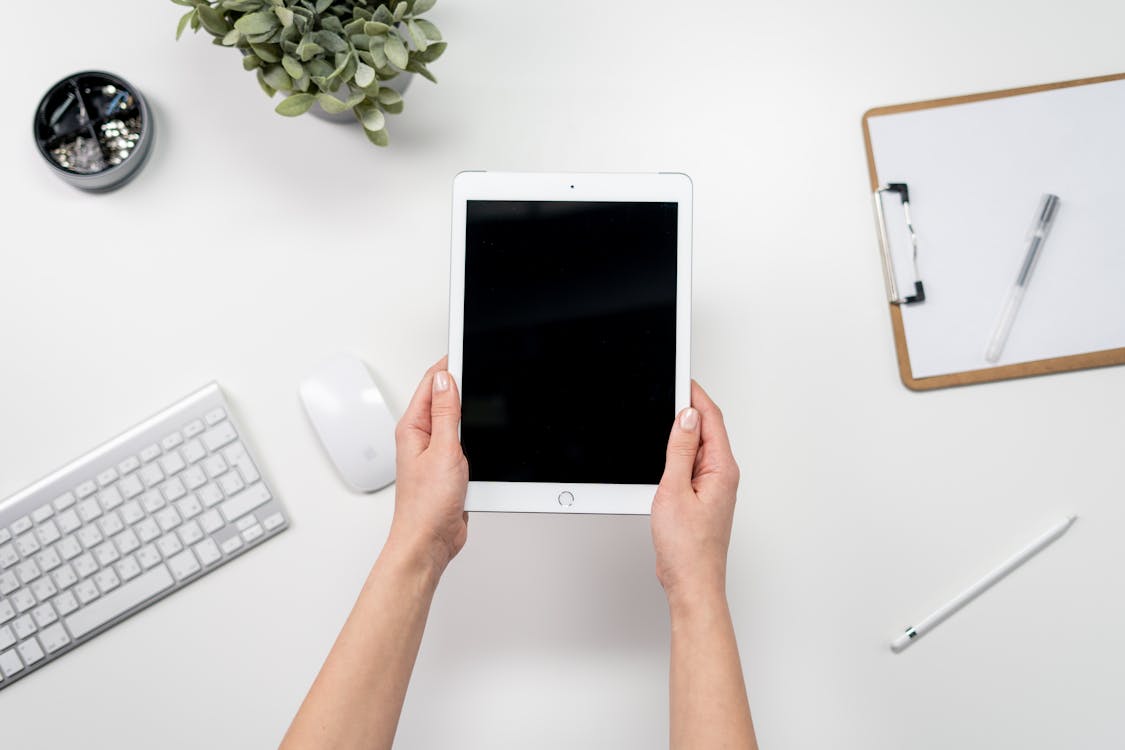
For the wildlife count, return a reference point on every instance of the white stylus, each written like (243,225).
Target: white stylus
(916,631)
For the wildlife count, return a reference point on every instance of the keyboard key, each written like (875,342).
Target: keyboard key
(10,663)
(193,478)
(172,463)
(28,571)
(126,597)
(215,466)
(54,638)
(65,603)
(30,651)
(219,436)
(189,507)
(128,568)
(244,502)
(193,428)
(7,637)
(7,611)
(106,553)
(84,565)
(127,541)
(129,465)
(252,533)
(24,626)
(69,547)
(245,523)
(42,513)
(48,560)
(168,519)
(8,556)
(86,592)
(111,523)
(151,475)
(107,580)
(215,416)
(68,521)
(43,588)
(231,544)
(22,600)
(211,521)
(107,477)
(110,498)
(173,490)
(130,487)
(274,521)
(190,533)
(89,510)
(148,556)
(65,577)
(184,564)
(22,524)
(230,483)
(147,530)
(194,451)
(153,501)
(169,544)
(131,512)
(150,452)
(171,441)
(208,552)
(8,584)
(64,501)
(44,615)
(27,545)
(209,495)
(47,533)
(86,489)
(90,536)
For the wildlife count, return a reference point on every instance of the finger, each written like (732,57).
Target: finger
(683,445)
(713,432)
(445,411)
(415,427)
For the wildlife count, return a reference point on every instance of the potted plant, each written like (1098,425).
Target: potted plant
(340,55)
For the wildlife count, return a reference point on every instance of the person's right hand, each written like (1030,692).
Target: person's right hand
(694,504)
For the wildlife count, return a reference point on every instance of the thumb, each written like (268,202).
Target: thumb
(445,411)
(683,445)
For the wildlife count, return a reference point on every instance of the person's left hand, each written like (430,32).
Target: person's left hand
(432,473)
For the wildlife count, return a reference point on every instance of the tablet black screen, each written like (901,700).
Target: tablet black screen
(569,340)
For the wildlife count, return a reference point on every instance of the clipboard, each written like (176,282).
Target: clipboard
(899,293)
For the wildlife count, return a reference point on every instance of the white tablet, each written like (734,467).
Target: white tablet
(570,319)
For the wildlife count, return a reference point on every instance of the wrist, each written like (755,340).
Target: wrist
(687,599)
(414,556)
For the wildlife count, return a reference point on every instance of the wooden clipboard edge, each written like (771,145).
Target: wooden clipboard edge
(1104,358)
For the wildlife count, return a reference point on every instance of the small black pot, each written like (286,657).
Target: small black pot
(94,129)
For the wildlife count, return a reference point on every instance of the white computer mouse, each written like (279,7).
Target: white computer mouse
(353,422)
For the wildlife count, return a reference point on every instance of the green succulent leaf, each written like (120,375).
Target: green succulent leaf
(400,10)
(292,67)
(417,35)
(432,52)
(277,78)
(428,29)
(308,49)
(183,23)
(383,15)
(371,117)
(378,137)
(371,28)
(251,61)
(421,6)
(284,15)
(270,53)
(232,37)
(329,41)
(265,86)
(395,51)
(242,6)
(261,22)
(334,106)
(322,5)
(213,20)
(364,76)
(297,104)
(419,67)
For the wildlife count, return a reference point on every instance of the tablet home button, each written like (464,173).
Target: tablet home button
(566,499)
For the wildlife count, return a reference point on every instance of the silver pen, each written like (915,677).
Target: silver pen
(1048,207)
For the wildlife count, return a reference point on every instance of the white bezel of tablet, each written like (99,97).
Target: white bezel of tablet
(561,497)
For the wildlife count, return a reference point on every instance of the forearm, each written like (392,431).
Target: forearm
(709,708)
(356,699)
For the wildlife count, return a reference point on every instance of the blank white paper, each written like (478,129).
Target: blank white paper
(976,173)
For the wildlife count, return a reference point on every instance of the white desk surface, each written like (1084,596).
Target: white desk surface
(251,246)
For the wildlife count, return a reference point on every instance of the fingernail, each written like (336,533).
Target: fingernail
(441,381)
(689,420)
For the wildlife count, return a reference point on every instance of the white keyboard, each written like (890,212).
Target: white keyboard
(130,522)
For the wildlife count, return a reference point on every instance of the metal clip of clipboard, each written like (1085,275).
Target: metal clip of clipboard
(893,295)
